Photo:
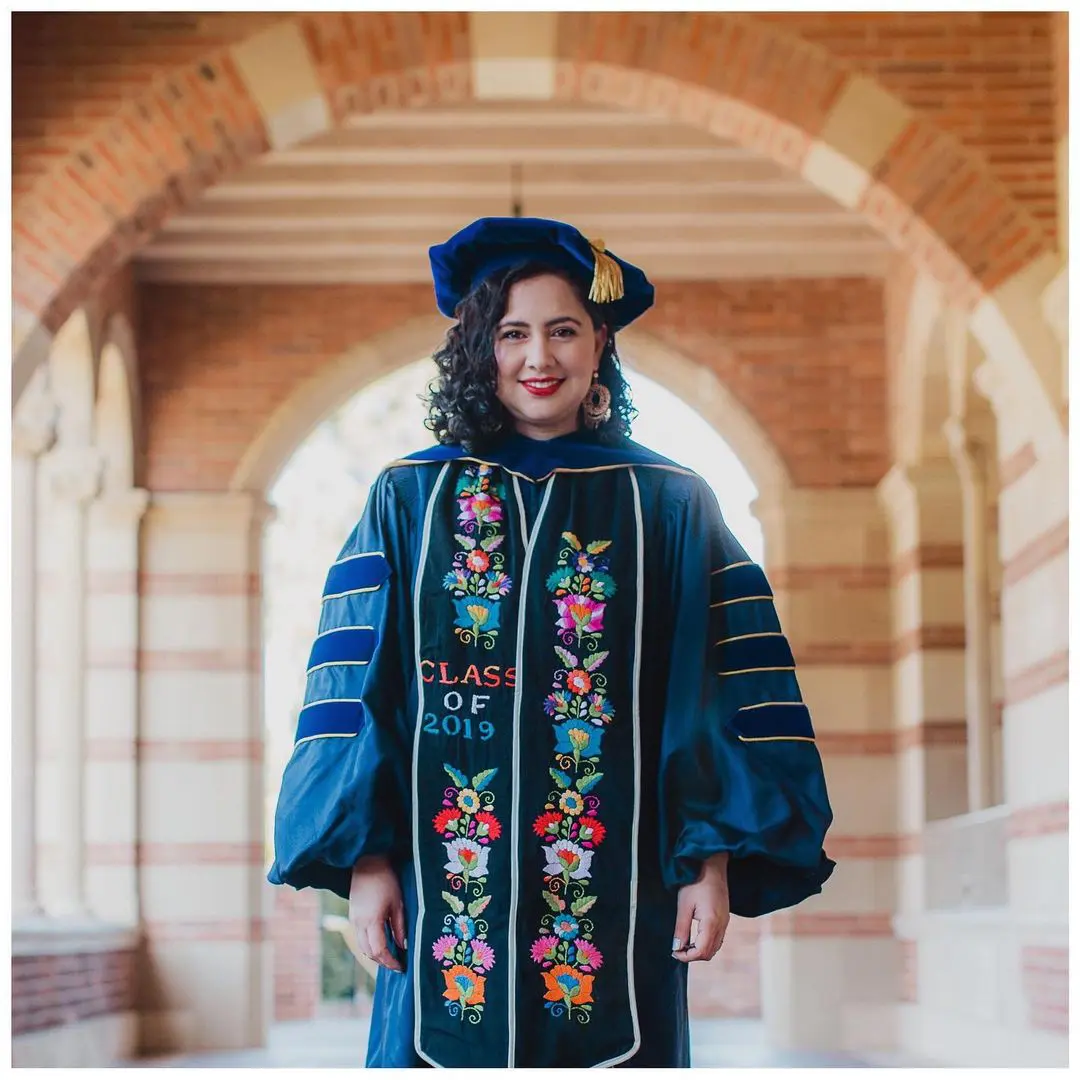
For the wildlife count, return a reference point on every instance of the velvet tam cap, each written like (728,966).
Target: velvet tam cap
(497,243)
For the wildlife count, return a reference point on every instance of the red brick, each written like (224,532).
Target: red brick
(54,990)
(296,934)
(980,81)
(219,361)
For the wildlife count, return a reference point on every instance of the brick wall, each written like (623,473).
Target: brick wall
(129,150)
(48,991)
(70,73)
(1061,73)
(985,77)
(294,930)
(805,357)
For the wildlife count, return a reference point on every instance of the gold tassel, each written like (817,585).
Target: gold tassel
(607,283)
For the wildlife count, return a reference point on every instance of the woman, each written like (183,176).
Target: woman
(551,721)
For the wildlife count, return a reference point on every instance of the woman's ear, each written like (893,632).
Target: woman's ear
(601,341)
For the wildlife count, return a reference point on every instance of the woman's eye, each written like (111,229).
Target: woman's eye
(564,331)
(511,335)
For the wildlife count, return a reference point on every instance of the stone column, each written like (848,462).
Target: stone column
(74,477)
(829,966)
(969,456)
(33,431)
(926,530)
(202,812)
(112,704)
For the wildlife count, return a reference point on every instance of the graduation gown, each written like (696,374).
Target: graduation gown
(547,684)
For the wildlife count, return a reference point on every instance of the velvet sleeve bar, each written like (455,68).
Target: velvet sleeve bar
(344,790)
(740,771)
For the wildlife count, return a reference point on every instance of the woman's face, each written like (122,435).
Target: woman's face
(546,349)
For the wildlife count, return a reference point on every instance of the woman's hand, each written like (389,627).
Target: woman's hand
(374,901)
(706,901)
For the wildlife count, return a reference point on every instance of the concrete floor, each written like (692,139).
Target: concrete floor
(340,1043)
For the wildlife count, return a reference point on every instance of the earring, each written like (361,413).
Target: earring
(597,403)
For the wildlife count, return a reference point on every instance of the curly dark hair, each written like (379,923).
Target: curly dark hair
(463,408)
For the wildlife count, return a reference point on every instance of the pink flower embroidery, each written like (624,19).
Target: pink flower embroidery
(582,614)
(588,955)
(483,955)
(480,507)
(444,947)
(544,948)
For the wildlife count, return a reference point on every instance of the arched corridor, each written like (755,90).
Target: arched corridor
(220,226)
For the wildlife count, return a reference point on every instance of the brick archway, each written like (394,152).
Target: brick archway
(332,384)
(737,77)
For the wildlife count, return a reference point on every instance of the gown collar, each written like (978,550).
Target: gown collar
(537,459)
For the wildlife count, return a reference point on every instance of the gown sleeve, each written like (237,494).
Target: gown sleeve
(739,767)
(344,790)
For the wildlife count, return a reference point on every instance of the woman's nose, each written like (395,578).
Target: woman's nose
(538,355)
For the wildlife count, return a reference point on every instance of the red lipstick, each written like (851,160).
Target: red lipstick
(542,387)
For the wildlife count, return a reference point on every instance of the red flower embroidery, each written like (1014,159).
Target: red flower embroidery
(579,681)
(547,824)
(444,817)
(591,830)
(494,829)
(477,561)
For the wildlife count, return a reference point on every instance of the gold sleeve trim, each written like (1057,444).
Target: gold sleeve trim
(328,735)
(746,637)
(338,663)
(765,704)
(732,566)
(776,738)
(751,670)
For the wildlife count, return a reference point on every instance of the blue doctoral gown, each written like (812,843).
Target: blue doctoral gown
(547,684)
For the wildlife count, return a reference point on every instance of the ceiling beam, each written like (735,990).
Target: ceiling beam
(630,221)
(416,271)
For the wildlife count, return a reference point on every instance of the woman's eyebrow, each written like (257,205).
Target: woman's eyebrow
(551,322)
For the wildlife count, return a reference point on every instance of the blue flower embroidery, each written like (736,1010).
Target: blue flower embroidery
(566,926)
(465,928)
(477,613)
(578,738)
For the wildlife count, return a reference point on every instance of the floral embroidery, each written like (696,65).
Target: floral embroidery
(468,825)
(569,828)
(477,581)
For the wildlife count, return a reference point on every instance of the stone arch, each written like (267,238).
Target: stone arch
(318,396)
(921,399)
(837,128)
(315,399)
(73,381)
(117,420)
